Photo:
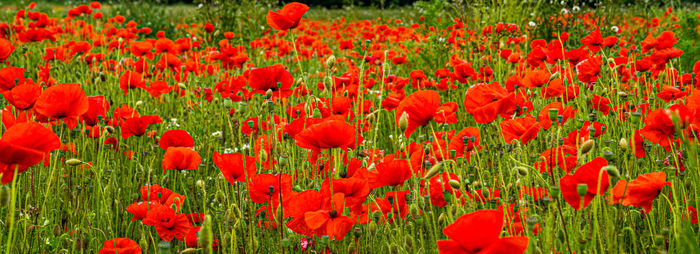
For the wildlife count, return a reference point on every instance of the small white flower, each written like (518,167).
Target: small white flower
(615,29)
(532,24)
(576,8)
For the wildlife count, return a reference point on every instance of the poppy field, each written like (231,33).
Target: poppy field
(265,128)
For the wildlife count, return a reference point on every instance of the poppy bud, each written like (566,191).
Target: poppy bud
(206,235)
(268,93)
(522,171)
(434,170)
(624,145)
(330,62)
(263,155)
(454,184)
(581,189)
(189,251)
(220,196)
(414,210)
(182,86)
(228,103)
(441,219)
(233,213)
(403,121)
(372,227)
(351,247)
(73,162)
(110,129)
(139,104)
(553,112)
(612,171)
(554,76)
(200,184)
(587,146)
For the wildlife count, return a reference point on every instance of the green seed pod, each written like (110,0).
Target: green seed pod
(587,146)
(317,113)
(582,189)
(286,242)
(415,211)
(164,247)
(394,249)
(73,162)
(553,113)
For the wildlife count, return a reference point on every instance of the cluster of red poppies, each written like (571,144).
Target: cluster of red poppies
(337,119)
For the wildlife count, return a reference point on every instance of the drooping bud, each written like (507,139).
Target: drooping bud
(612,171)
(587,146)
(624,145)
(73,162)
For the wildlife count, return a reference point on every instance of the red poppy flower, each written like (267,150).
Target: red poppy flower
(136,126)
(23,97)
(265,188)
(63,101)
(439,185)
(423,106)
(180,158)
(593,40)
(168,224)
(389,172)
(465,141)
(601,104)
(97,109)
(176,138)
(162,195)
(486,101)
(288,17)
(275,78)
(24,145)
(566,113)
(131,79)
(659,128)
(536,78)
(588,70)
(329,133)
(465,239)
(523,129)
(10,77)
(139,210)
(120,246)
(355,189)
(158,88)
(590,175)
(235,166)
(330,223)
(642,191)
(6,49)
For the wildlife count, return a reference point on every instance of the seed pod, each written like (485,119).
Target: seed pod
(163,247)
(553,113)
(587,146)
(581,189)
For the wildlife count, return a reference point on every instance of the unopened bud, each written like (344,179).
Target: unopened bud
(73,162)
(403,121)
(587,146)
